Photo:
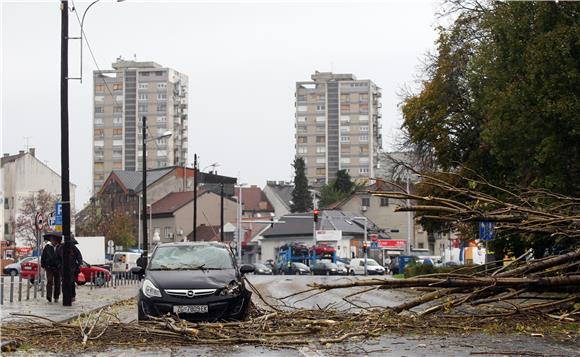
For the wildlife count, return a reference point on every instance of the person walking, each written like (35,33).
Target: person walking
(76,260)
(50,262)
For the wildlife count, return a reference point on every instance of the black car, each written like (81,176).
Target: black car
(261,269)
(294,269)
(198,281)
(324,268)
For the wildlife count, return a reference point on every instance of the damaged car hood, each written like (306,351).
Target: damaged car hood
(192,279)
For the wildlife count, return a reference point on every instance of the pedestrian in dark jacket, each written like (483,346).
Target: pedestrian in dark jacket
(76,260)
(50,262)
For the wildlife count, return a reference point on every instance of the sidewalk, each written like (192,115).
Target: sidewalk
(86,300)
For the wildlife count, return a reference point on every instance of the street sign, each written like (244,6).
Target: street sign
(328,235)
(58,214)
(374,245)
(486,230)
(110,243)
(398,244)
(39,221)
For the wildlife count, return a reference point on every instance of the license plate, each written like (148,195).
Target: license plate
(190,309)
(27,268)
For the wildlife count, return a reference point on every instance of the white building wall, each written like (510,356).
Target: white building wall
(27,175)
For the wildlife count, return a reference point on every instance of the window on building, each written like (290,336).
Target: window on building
(99,87)
(6,205)
(302,149)
(161,163)
(99,133)
(320,129)
(161,119)
(363,159)
(144,74)
(366,201)
(321,160)
(118,131)
(142,108)
(118,86)
(421,245)
(320,139)
(167,232)
(6,228)
(98,121)
(363,170)
(99,98)
(143,85)
(344,129)
(345,160)
(99,143)
(99,177)
(301,128)
(99,109)
(301,98)
(321,98)
(99,166)
(363,118)
(117,121)
(161,107)
(158,73)
(345,149)
(117,165)
(161,96)
(118,109)
(364,107)
(142,96)
(320,171)
(320,149)
(301,119)
(117,153)
(363,138)
(364,149)
(364,128)
(161,153)
(345,119)
(345,139)
(302,108)
(302,140)
(161,85)
(384,201)
(320,119)
(345,107)
(344,98)
(118,142)
(320,108)
(364,97)
(119,98)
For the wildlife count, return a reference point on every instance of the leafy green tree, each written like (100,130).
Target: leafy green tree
(500,98)
(301,198)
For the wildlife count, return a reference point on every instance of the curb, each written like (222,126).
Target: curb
(76,316)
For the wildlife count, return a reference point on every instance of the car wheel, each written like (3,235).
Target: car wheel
(13,272)
(352,272)
(31,280)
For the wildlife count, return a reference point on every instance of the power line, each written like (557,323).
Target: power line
(84,36)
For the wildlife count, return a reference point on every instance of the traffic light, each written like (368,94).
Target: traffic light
(365,247)
(315,215)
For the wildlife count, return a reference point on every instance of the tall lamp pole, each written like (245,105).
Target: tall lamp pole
(194,197)
(144,184)
(67,278)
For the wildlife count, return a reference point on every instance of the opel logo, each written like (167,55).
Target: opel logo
(190,293)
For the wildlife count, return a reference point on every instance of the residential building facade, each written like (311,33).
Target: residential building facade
(338,126)
(24,175)
(121,98)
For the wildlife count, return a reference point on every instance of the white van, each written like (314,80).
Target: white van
(124,261)
(357,267)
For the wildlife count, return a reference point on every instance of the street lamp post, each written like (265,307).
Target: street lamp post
(144,183)
(365,244)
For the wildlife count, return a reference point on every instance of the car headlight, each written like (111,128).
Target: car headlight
(149,289)
(232,289)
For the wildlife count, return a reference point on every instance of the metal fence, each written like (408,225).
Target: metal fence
(16,289)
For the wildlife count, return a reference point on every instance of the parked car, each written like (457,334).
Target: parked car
(198,281)
(342,268)
(14,268)
(324,268)
(123,262)
(357,267)
(261,269)
(294,269)
(95,274)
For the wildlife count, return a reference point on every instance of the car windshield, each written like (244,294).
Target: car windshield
(190,257)
(300,266)
(371,262)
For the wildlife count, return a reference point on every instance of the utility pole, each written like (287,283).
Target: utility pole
(222,211)
(194,197)
(67,278)
(144,188)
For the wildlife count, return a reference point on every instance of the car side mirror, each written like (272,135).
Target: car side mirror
(247,268)
(137,270)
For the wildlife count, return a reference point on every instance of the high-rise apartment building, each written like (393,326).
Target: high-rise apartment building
(122,96)
(337,126)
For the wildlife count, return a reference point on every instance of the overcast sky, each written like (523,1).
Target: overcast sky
(242,58)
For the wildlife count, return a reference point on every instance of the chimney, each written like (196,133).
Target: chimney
(21,152)
(32,152)
(6,154)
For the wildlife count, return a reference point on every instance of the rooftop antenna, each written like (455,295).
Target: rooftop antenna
(26,142)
